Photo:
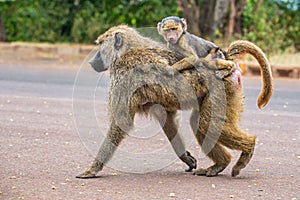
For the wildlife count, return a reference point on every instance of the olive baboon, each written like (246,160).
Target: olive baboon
(133,59)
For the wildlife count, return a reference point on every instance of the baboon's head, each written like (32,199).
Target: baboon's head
(110,45)
(114,43)
(172,28)
(216,53)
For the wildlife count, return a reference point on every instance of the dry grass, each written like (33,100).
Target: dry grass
(282,60)
(289,60)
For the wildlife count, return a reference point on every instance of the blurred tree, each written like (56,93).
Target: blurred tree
(238,19)
(272,24)
(290,14)
(94,17)
(261,21)
(2,31)
(191,12)
(2,25)
(213,18)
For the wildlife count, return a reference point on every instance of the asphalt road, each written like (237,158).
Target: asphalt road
(42,149)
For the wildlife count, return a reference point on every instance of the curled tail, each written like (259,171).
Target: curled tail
(242,47)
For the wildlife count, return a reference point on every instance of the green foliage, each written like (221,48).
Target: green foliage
(93,19)
(292,17)
(36,20)
(274,27)
(77,20)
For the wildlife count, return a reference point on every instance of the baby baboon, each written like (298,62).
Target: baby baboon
(141,78)
(190,47)
(174,31)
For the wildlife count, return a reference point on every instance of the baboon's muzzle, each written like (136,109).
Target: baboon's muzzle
(97,63)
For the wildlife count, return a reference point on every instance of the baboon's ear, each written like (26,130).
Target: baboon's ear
(118,41)
(158,28)
(224,52)
(184,24)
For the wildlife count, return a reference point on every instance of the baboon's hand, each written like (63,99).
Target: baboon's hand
(221,74)
(189,160)
(87,174)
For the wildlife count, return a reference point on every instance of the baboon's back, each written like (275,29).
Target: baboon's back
(145,74)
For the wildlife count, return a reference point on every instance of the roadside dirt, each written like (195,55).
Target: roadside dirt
(41,153)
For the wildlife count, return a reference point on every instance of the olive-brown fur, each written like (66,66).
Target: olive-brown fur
(141,77)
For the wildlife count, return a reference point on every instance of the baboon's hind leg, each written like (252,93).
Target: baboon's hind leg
(216,152)
(236,139)
(213,149)
(171,130)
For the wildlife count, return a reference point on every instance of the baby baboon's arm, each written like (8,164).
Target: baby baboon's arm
(186,63)
(223,67)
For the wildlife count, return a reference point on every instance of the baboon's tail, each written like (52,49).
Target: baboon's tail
(241,47)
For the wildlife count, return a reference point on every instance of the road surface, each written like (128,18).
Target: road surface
(42,152)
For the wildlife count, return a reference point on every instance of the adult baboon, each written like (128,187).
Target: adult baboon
(137,63)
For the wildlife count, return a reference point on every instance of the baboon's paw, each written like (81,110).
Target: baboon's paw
(235,172)
(215,170)
(242,162)
(87,174)
(200,172)
(190,161)
(191,167)
(211,171)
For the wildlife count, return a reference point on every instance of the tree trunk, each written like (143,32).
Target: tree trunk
(257,6)
(2,31)
(212,14)
(238,20)
(204,20)
(207,13)
(191,12)
(220,13)
(230,27)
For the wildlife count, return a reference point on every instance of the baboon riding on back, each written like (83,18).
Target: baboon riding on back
(141,77)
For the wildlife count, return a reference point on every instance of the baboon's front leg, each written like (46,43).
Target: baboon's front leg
(171,130)
(108,147)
